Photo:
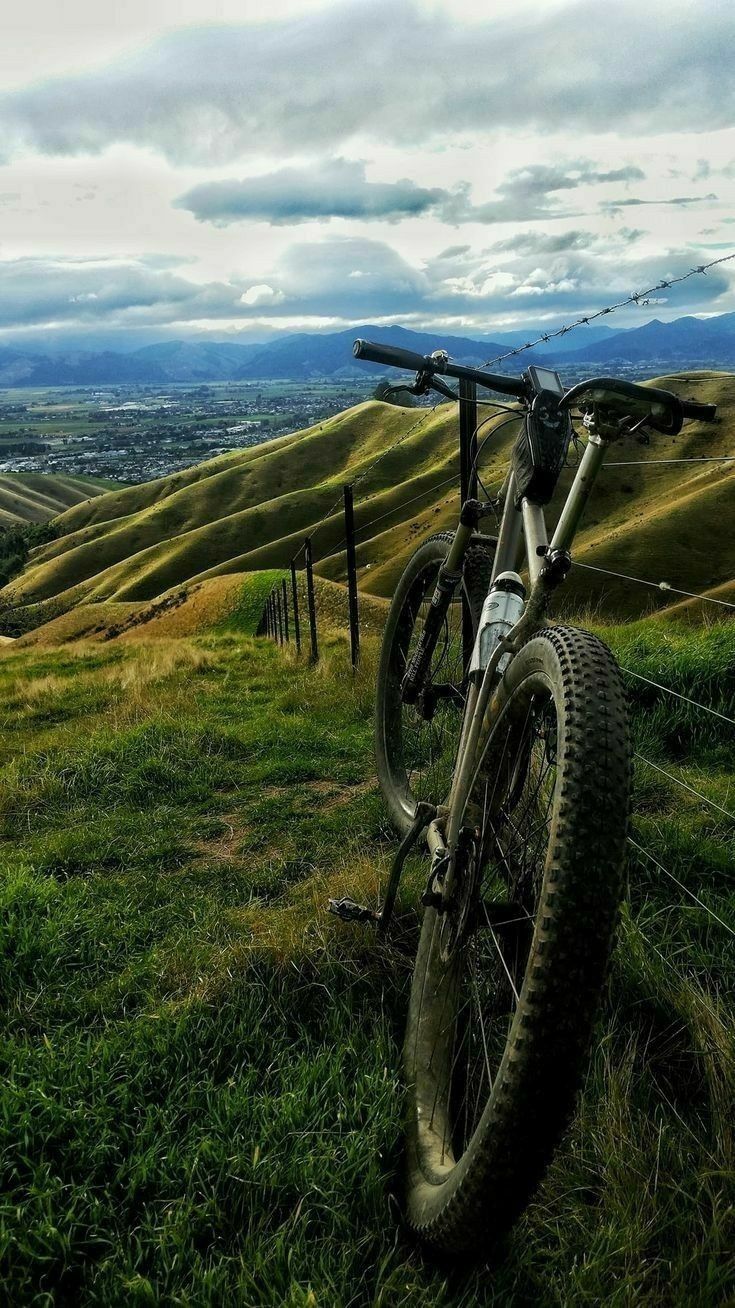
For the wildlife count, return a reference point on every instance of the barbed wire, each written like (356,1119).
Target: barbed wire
(428,491)
(656,585)
(428,412)
(637,297)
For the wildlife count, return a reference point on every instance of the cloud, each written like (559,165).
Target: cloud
(532,192)
(335,188)
(531,280)
(260,295)
(543,243)
(390,71)
(338,188)
(348,276)
(43,291)
(346,280)
(612,207)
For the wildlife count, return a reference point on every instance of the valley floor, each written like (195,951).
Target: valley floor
(200,1100)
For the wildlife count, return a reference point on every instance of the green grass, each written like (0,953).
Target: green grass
(200,1100)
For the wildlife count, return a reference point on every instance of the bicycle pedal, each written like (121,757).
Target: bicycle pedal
(348,911)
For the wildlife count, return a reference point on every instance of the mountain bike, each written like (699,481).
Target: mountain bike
(502,742)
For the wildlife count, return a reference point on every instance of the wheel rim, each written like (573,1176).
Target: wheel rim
(471,992)
(420,748)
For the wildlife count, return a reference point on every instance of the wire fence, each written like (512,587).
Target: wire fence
(275,620)
(282,619)
(293,615)
(292,612)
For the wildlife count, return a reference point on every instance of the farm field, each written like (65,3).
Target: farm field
(201,1097)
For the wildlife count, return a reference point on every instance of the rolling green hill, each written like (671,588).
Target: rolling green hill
(250,510)
(38,496)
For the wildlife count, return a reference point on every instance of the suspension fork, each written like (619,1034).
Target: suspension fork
(450,575)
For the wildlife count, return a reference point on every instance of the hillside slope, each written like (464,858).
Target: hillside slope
(251,509)
(37,496)
(201,1101)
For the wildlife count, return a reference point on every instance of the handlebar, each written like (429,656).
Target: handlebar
(395,357)
(666,410)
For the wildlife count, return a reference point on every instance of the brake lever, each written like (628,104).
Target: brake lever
(425,381)
(435,385)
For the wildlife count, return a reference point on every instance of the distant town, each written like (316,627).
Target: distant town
(136,433)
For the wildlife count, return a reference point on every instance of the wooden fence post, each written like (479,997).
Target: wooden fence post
(352,577)
(310,600)
(295,601)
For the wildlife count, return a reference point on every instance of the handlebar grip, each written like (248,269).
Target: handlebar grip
(391,355)
(702,412)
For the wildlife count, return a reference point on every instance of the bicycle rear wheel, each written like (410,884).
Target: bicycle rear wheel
(415,744)
(507,981)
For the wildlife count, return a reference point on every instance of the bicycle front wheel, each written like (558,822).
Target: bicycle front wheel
(508,978)
(415,744)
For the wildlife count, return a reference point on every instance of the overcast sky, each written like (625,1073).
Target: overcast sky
(176,167)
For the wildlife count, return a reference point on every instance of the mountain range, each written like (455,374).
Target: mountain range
(685,342)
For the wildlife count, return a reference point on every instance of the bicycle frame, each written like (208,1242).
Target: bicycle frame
(613,408)
(547,563)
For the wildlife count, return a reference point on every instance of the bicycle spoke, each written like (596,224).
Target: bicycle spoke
(478,989)
(429,743)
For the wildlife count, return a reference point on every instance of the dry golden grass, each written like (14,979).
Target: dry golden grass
(36,690)
(205,604)
(138,682)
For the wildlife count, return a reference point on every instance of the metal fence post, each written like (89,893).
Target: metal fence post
(467,485)
(279,616)
(269,611)
(310,600)
(284,593)
(352,577)
(295,601)
(467,440)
